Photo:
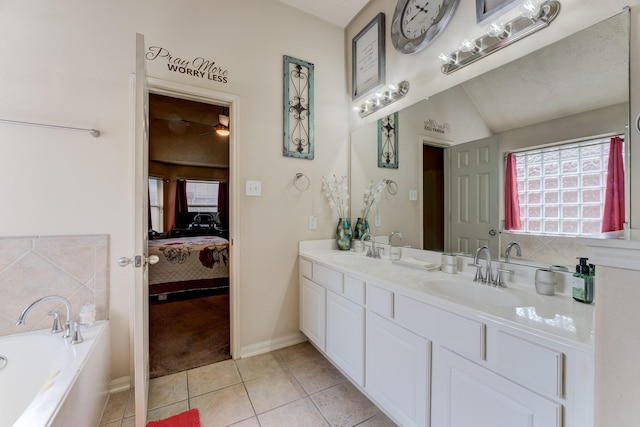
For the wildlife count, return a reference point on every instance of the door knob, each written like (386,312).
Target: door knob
(492,232)
(137,260)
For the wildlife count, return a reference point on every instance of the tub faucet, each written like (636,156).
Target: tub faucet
(488,277)
(56,325)
(507,252)
(373,251)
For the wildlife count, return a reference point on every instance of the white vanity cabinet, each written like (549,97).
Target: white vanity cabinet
(332,316)
(466,394)
(398,363)
(434,363)
(312,321)
(346,328)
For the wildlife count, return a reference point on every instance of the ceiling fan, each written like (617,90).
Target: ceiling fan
(222,128)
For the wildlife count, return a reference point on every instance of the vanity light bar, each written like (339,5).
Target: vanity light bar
(382,98)
(514,30)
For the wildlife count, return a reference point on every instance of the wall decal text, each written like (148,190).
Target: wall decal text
(197,67)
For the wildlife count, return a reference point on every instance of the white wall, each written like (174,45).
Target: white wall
(69,62)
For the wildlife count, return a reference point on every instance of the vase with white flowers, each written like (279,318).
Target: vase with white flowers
(337,193)
(372,196)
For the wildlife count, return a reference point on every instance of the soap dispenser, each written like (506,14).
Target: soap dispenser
(582,282)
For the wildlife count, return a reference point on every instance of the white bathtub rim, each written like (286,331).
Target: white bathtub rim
(45,406)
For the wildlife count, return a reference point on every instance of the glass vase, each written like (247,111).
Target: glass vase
(343,234)
(361,227)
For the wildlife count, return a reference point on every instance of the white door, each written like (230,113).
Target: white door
(474,196)
(140,292)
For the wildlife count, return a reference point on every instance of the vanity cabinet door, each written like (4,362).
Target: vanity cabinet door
(398,371)
(466,394)
(345,335)
(313,311)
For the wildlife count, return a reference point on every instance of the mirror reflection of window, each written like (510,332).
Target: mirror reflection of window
(562,189)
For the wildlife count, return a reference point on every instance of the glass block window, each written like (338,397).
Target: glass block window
(562,188)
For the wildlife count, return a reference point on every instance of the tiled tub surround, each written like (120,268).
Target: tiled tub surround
(534,355)
(544,250)
(75,267)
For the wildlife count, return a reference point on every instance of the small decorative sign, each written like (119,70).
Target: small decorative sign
(198,67)
(388,141)
(298,108)
(432,125)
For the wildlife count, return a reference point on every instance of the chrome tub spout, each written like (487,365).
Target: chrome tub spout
(67,304)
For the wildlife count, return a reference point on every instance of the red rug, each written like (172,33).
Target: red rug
(190,418)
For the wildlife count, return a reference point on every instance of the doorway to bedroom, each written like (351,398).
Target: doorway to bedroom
(189,315)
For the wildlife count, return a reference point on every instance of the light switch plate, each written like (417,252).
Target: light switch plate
(413,195)
(313,222)
(377,221)
(254,188)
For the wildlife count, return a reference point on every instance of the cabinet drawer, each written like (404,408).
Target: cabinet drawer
(354,289)
(380,301)
(460,334)
(533,365)
(306,268)
(324,276)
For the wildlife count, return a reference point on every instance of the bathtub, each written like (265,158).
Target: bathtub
(49,382)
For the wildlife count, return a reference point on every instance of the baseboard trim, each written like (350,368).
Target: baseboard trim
(120,384)
(271,345)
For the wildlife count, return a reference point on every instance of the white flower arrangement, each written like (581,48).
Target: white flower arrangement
(337,193)
(372,196)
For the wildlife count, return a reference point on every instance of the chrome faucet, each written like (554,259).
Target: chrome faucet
(395,233)
(372,251)
(507,252)
(488,277)
(56,322)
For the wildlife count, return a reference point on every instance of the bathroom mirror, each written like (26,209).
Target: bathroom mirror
(576,87)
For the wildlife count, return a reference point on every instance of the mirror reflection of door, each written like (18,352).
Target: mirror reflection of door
(474,196)
(433,198)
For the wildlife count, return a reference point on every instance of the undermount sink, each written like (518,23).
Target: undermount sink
(475,293)
(354,259)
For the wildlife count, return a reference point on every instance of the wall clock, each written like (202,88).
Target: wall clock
(417,22)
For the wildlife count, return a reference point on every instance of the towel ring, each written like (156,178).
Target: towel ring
(392,186)
(300,177)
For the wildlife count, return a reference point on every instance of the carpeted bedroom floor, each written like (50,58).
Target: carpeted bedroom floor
(185,333)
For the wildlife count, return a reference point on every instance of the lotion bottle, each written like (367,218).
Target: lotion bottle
(582,282)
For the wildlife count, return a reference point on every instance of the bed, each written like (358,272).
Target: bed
(189,263)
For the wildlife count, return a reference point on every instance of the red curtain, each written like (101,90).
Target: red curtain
(223,204)
(613,217)
(511,200)
(180,201)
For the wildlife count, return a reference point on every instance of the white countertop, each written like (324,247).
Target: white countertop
(556,317)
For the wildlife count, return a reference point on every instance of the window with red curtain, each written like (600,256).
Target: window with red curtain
(562,188)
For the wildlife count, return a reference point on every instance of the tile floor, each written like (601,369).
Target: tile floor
(295,386)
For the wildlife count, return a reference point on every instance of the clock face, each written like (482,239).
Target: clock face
(418,16)
(417,22)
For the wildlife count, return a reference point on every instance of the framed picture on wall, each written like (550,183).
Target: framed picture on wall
(298,108)
(487,8)
(368,58)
